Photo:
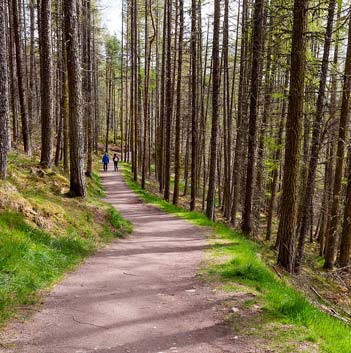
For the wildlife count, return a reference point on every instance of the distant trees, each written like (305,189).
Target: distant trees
(47,44)
(217,126)
(205,108)
(21,76)
(316,140)
(333,229)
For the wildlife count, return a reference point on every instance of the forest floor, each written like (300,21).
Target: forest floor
(172,286)
(330,290)
(279,312)
(140,294)
(44,233)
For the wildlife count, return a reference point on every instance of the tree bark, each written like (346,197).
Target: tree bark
(254,94)
(210,209)
(194,111)
(77,179)
(21,78)
(178,105)
(345,244)
(315,147)
(4,104)
(46,72)
(241,115)
(287,223)
(168,102)
(89,88)
(332,236)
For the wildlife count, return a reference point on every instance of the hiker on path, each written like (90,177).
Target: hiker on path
(115,161)
(105,161)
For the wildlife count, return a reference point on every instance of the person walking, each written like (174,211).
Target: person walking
(105,161)
(115,161)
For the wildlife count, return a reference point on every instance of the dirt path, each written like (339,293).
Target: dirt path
(140,294)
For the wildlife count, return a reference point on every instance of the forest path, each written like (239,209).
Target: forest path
(138,295)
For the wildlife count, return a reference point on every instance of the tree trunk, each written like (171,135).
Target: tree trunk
(21,78)
(345,244)
(287,223)
(32,76)
(241,115)
(277,157)
(178,105)
(332,236)
(315,148)
(168,102)
(77,179)
(4,104)
(13,81)
(210,210)
(46,73)
(89,88)
(194,112)
(254,94)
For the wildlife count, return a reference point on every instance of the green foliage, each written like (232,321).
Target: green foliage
(119,224)
(112,47)
(281,302)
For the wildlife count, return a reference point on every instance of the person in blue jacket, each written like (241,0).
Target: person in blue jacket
(105,161)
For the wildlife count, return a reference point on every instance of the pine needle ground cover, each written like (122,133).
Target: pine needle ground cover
(44,233)
(289,321)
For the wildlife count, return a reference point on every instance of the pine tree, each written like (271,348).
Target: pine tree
(4,104)
(21,78)
(315,147)
(215,112)
(77,179)
(46,84)
(332,232)
(254,93)
(287,222)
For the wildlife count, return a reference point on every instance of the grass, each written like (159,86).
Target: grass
(44,233)
(282,305)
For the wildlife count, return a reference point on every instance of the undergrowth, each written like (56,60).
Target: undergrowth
(44,233)
(243,264)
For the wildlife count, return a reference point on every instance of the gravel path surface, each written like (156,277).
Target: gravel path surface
(140,294)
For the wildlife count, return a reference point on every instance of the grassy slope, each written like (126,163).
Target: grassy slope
(287,317)
(43,233)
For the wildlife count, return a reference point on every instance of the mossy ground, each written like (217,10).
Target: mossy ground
(271,309)
(44,233)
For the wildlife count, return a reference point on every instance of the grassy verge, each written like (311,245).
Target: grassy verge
(286,315)
(44,233)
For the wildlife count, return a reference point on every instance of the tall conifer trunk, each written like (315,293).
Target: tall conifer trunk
(254,94)
(46,84)
(77,179)
(21,77)
(215,112)
(315,148)
(332,234)
(287,223)
(4,103)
